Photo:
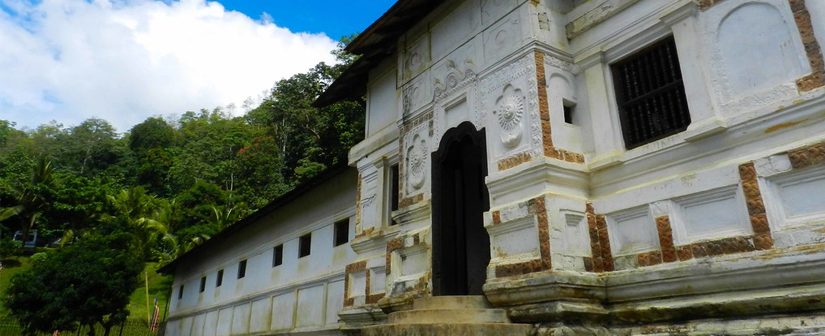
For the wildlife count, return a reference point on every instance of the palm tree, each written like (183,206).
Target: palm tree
(144,215)
(32,198)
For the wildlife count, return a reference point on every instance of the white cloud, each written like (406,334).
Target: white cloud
(68,60)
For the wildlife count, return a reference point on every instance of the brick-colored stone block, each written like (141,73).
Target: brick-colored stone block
(812,48)
(392,245)
(763,241)
(666,239)
(807,156)
(760,223)
(684,252)
(513,161)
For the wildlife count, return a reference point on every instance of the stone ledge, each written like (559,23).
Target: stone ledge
(761,282)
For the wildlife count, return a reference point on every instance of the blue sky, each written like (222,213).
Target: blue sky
(335,18)
(126,60)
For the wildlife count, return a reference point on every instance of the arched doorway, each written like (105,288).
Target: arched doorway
(461,246)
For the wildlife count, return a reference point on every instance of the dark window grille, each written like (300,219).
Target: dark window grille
(219,279)
(650,94)
(341,232)
(203,284)
(304,245)
(242,269)
(278,255)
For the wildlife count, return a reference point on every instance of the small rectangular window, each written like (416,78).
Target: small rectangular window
(568,114)
(393,191)
(278,255)
(650,94)
(341,232)
(180,292)
(304,245)
(203,284)
(242,269)
(219,279)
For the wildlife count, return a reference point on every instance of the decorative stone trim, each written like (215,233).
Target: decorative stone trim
(535,207)
(602,257)
(756,206)
(717,247)
(666,239)
(512,161)
(496,217)
(352,268)
(816,78)
(649,258)
(807,156)
(544,106)
(407,201)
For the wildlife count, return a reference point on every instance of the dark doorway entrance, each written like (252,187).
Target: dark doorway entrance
(461,246)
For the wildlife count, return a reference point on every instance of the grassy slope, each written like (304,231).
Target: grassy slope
(11,266)
(159,286)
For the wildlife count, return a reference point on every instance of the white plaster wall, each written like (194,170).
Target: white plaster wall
(382,110)
(268,297)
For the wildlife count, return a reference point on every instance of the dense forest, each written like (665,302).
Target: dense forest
(170,182)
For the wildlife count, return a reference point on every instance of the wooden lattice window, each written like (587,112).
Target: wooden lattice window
(650,94)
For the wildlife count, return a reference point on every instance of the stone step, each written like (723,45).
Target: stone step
(471,315)
(452,302)
(449,329)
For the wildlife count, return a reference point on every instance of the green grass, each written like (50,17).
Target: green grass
(159,285)
(11,266)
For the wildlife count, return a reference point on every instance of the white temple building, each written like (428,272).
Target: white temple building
(550,167)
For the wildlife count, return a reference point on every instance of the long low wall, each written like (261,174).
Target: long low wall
(310,308)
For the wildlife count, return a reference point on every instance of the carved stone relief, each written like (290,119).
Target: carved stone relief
(417,155)
(416,94)
(510,95)
(416,57)
(416,136)
(509,111)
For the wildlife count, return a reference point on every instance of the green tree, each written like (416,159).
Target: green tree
(32,198)
(84,284)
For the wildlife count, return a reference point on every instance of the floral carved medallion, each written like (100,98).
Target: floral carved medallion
(509,110)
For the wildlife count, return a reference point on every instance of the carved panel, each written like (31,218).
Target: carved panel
(509,110)
(739,76)
(416,157)
(416,143)
(503,38)
(492,10)
(416,94)
(416,57)
(509,95)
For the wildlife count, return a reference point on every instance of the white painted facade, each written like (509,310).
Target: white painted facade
(300,295)
(729,212)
